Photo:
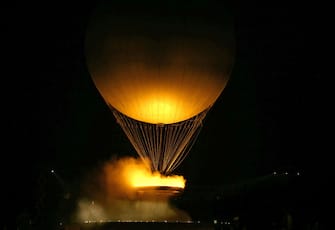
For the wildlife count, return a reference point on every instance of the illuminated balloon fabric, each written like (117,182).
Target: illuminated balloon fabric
(159,73)
(163,70)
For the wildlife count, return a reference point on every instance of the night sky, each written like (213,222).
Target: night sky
(270,117)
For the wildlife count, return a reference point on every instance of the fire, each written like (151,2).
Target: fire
(142,178)
(139,175)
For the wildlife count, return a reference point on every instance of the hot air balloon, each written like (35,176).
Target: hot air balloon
(160,68)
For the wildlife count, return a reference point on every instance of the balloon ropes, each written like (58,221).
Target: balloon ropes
(160,68)
(166,145)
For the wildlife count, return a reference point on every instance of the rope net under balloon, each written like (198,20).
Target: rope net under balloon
(165,145)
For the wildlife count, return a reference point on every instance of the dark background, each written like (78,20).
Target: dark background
(272,116)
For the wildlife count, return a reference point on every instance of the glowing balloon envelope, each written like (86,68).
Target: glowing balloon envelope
(159,67)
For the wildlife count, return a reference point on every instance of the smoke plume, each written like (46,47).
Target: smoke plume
(108,195)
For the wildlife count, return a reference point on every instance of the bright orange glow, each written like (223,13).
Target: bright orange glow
(138,175)
(135,173)
(164,80)
(177,96)
(154,110)
(145,179)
